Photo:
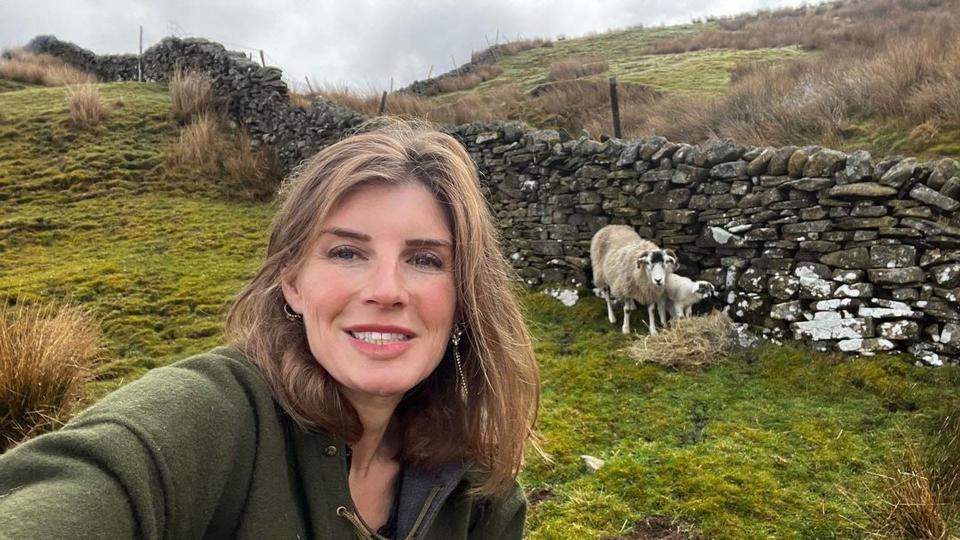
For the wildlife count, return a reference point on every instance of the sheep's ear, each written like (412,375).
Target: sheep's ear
(643,260)
(670,257)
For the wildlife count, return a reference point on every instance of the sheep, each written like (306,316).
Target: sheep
(681,293)
(629,268)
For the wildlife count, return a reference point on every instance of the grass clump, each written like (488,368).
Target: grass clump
(576,67)
(208,145)
(83,102)
(690,342)
(41,69)
(191,95)
(47,355)
(479,74)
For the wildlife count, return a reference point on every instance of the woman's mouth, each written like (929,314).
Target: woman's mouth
(379,338)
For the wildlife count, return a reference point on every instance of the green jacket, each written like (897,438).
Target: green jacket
(200,449)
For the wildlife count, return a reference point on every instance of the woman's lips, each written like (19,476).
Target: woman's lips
(382,350)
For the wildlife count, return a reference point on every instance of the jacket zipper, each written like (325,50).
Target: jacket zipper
(366,534)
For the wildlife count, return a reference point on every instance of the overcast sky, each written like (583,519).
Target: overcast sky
(360,43)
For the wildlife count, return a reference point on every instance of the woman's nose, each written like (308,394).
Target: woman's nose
(386,287)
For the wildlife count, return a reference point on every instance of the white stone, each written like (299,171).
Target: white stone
(850,345)
(847,290)
(889,313)
(720,236)
(834,304)
(893,304)
(591,463)
(567,297)
(827,329)
(826,315)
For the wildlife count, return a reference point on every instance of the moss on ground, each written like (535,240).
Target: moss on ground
(780,442)
(776,443)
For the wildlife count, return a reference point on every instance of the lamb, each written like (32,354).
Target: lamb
(629,268)
(680,295)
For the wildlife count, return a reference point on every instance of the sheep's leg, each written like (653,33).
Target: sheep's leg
(662,310)
(627,307)
(653,324)
(610,315)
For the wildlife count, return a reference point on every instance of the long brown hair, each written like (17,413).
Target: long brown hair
(501,374)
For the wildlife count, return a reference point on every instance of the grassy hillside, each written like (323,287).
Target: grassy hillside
(774,443)
(881,75)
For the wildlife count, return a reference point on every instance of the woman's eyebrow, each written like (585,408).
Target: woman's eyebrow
(346,233)
(429,242)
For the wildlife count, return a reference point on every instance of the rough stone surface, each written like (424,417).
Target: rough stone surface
(824,163)
(861,189)
(899,174)
(946,275)
(832,329)
(899,330)
(850,258)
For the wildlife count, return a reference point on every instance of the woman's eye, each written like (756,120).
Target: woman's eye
(427,260)
(344,253)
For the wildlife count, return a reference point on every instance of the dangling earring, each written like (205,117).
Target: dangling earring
(290,314)
(455,340)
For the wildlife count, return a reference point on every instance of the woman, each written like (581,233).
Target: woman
(380,381)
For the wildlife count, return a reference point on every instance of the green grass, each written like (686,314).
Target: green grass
(763,445)
(697,72)
(92,216)
(777,443)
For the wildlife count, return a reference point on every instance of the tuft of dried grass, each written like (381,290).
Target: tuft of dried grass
(43,69)
(520,45)
(84,105)
(913,504)
(200,143)
(943,458)
(687,343)
(575,67)
(46,356)
(191,95)
(479,74)
(207,145)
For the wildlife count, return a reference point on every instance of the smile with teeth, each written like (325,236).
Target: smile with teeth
(379,338)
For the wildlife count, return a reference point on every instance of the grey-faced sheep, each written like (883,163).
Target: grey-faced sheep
(629,268)
(681,293)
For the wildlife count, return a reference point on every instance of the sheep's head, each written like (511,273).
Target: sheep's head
(658,263)
(705,289)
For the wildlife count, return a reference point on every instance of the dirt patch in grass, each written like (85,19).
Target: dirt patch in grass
(657,528)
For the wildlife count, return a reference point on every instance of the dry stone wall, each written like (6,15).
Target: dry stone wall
(839,250)
(256,96)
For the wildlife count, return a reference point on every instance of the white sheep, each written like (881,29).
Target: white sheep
(681,293)
(629,268)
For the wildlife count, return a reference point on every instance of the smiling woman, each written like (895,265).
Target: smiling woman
(369,389)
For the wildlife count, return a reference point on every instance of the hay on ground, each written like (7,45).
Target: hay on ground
(687,343)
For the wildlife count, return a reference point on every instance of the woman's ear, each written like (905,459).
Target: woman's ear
(291,292)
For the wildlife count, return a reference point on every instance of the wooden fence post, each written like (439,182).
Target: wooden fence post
(140,58)
(429,73)
(309,86)
(262,61)
(615,108)
(383,103)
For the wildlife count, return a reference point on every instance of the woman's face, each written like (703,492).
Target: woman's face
(376,290)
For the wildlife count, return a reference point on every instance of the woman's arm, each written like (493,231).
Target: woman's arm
(159,458)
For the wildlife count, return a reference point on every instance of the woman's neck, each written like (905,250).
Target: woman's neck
(379,441)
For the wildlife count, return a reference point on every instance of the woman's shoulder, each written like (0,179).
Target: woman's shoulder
(219,387)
